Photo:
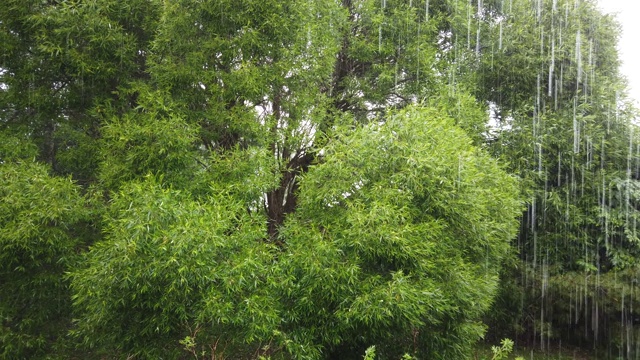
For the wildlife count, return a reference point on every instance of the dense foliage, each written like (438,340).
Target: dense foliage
(309,178)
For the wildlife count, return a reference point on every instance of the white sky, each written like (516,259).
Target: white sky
(628,14)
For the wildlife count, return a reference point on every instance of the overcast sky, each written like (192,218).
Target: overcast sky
(628,14)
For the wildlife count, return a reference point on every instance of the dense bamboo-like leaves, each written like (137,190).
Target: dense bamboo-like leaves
(397,237)
(44,222)
(172,268)
(265,193)
(148,140)
(61,63)
(568,132)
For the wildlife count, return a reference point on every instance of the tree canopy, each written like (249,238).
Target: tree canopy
(306,179)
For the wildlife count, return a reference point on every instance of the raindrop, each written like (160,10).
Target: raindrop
(559,168)
(628,184)
(468,27)
(418,59)
(500,41)
(534,229)
(426,11)
(622,320)
(561,77)
(552,66)
(396,75)
(539,10)
(478,39)
(576,128)
(578,57)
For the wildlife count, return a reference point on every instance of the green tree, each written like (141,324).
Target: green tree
(563,125)
(44,223)
(63,64)
(288,180)
(172,268)
(397,241)
(379,251)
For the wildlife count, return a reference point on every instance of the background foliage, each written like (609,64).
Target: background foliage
(307,179)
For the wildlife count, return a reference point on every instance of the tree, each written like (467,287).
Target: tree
(172,269)
(400,250)
(64,64)
(44,223)
(397,240)
(321,131)
(566,129)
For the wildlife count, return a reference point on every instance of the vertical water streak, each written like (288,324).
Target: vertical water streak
(578,58)
(560,38)
(500,37)
(396,77)
(622,321)
(418,56)
(541,42)
(589,151)
(426,11)
(553,90)
(573,176)
(582,172)
(536,124)
(617,108)
(534,230)
(539,10)
(577,306)
(591,69)
(628,184)
(630,322)
(545,275)
(540,157)
(605,213)
(561,77)
(602,156)
(555,95)
(478,39)
(468,27)
(576,128)
(586,293)
(637,161)
(635,213)
(552,66)
(567,202)
(559,168)
(596,321)
(454,69)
